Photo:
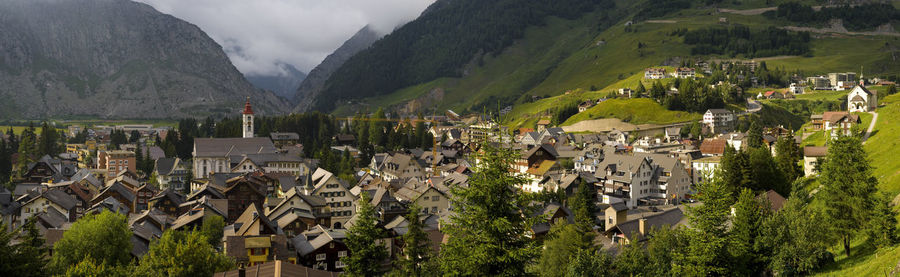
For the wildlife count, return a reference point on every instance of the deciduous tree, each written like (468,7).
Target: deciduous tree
(104,237)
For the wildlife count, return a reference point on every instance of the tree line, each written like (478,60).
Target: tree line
(859,17)
(751,43)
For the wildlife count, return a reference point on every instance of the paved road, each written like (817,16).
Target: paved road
(871,127)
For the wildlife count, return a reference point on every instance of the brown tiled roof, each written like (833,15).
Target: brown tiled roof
(713,146)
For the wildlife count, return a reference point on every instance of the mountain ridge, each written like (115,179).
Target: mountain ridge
(114,59)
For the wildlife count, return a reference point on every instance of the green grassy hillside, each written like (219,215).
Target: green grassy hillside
(883,151)
(634,111)
(565,55)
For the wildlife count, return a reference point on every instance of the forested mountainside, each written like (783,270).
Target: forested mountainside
(441,42)
(114,59)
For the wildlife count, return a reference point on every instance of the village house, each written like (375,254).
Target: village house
(337,196)
(299,211)
(242,192)
(284,139)
(321,248)
(428,197)
(46,200)
(646,179)
(811,158)
(839,123)
(639,229)
(654,73)
(795,88)
(171,172)
(685,72)
(118,161)
(719,120)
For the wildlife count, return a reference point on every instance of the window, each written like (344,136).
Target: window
(426,198)
(435,198)
(320,257)
(433,210)
(339,264)
(342,254)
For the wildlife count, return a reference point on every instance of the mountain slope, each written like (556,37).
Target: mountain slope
(314,82)
(441,42)
(113,58)
(596,52)
(282,85)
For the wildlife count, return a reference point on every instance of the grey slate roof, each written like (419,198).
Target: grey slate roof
(60,198)
(164,166)
(221,147)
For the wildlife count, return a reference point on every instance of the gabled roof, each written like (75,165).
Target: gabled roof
(58,197)
(713,146)
(547,148)
(165,166)
(221,147)
(170,194)
(119,188)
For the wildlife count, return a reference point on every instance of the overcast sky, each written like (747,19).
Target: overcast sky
(260,35)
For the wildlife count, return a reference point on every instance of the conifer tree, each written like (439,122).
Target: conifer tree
(366,252)
(745,234)
(707,252)
(416,250)
(847,187)
(882,227)
(487,234)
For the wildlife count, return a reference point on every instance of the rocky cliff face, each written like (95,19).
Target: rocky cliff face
(114,59)
(311,86)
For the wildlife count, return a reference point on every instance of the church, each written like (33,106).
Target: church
(220,155)
(861,99)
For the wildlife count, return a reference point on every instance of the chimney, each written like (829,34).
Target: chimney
(642,226)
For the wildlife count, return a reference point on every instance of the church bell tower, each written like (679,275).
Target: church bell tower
(247,116)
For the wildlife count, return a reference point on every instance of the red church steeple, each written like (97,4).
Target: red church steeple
(247,108)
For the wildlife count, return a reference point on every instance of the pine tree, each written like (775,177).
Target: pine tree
(882,227)
(582,204)
(488,236)
(754,134)
(847,187)
(590,263)
(366,252)
(788,157)
(416,250)
(562,244)
(745,234)
(707,252)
